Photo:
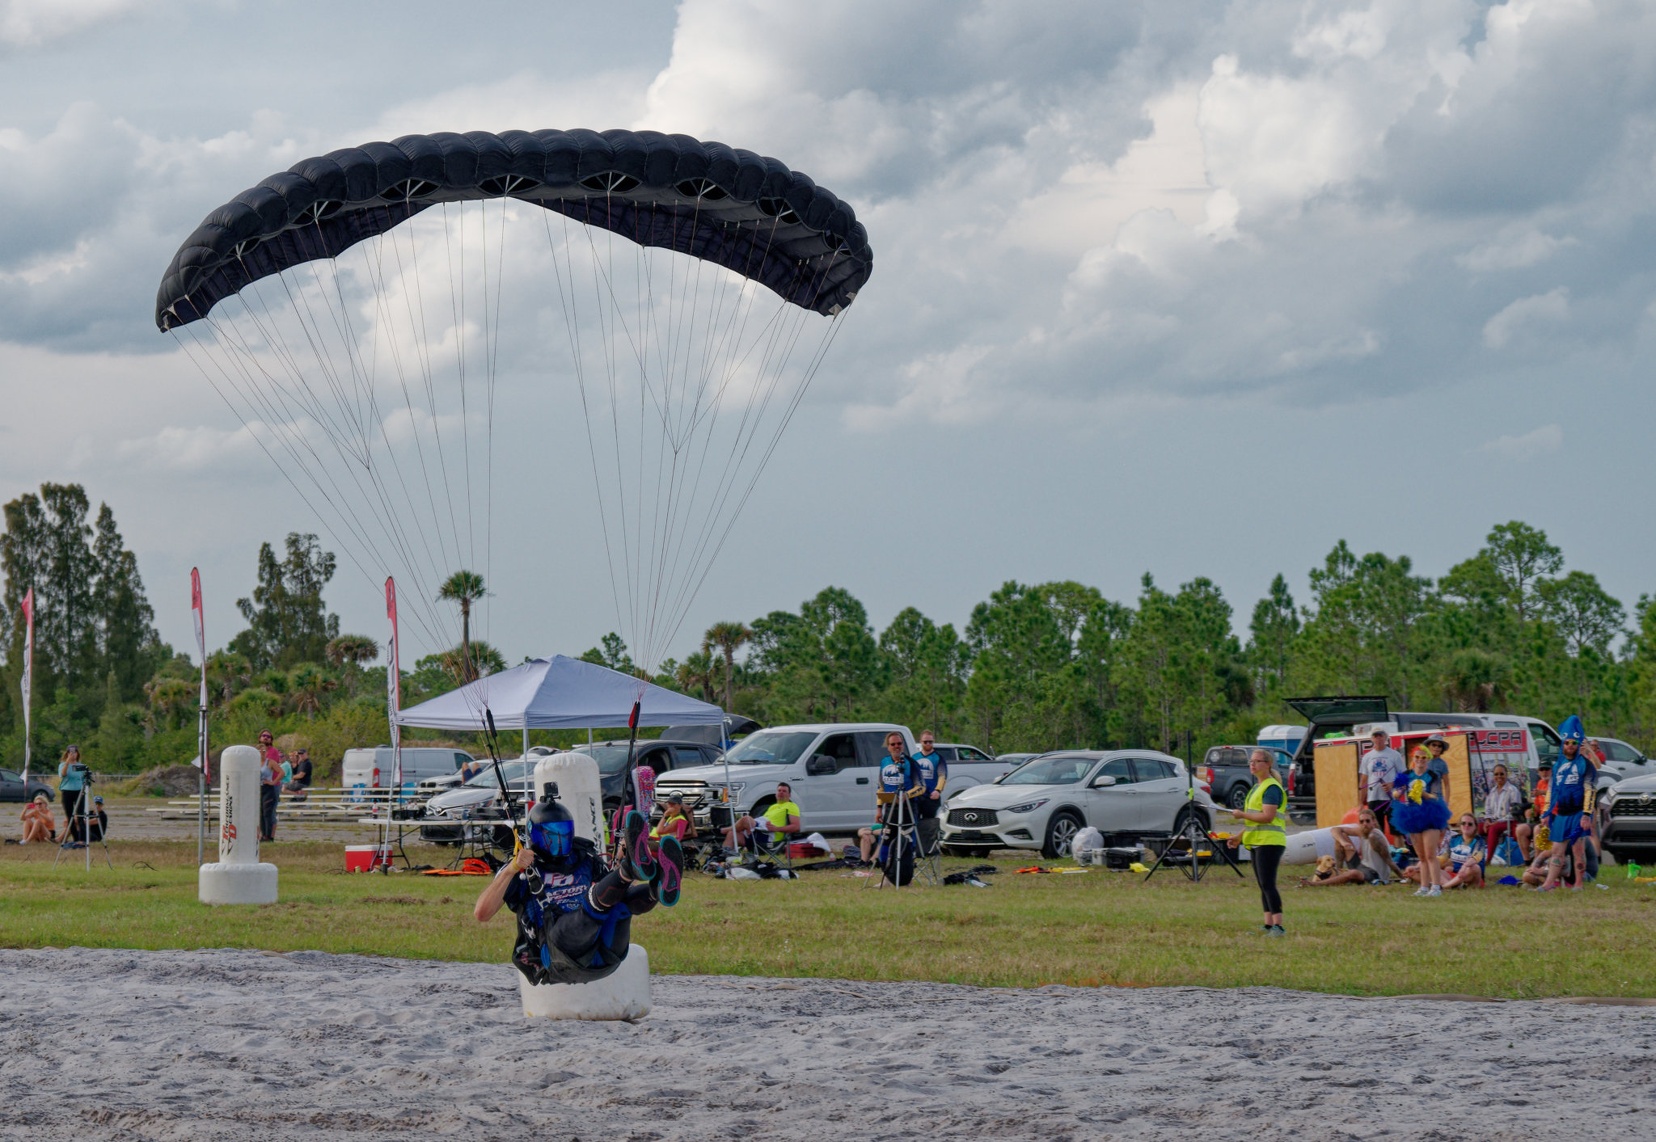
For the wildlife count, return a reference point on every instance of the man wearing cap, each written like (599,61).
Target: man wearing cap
(1381,765)
(1570,804)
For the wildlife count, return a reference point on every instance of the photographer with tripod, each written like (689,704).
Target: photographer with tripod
(73,778)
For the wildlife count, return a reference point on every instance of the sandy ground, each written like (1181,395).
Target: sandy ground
(230,1045)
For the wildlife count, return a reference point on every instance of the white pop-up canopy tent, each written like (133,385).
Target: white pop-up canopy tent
(559,693)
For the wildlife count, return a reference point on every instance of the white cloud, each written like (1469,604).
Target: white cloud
(1513,250)
(1543,441)
(1550,308)
(28,23)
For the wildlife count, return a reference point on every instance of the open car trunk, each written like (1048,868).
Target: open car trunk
(1338,714)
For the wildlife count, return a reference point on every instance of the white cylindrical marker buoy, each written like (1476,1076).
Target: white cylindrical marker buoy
(623,994)
(237,877)
(580,790)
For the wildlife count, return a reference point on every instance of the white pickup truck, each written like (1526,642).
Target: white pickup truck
(832,768)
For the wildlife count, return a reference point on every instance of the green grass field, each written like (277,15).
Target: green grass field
(1098,928)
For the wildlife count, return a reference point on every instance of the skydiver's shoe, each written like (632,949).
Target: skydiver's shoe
(669,872)
(637,862)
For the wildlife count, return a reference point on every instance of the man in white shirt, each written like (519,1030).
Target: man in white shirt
(1379,768)
(1500,809)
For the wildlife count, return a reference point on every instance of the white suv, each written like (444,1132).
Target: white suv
(1124,794)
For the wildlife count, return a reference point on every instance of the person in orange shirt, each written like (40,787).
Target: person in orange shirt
(38,825)
(1537,811)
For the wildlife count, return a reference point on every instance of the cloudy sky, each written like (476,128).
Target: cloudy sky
(1187,288)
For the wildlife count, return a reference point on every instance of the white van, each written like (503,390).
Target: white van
(365,769)
(832,768)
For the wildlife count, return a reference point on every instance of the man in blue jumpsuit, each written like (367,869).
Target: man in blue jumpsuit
(574,915)
(1570,805)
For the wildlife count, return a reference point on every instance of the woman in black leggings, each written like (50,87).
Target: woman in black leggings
(1265,832)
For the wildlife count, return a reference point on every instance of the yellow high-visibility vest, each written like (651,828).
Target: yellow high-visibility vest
(1274,832)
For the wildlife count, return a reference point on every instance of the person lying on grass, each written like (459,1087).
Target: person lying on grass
(574,917)
(1363,855)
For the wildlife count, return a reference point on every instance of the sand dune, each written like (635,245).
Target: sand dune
(228,1044)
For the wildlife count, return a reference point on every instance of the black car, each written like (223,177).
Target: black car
(11,787)
(660,754)
(1339,715)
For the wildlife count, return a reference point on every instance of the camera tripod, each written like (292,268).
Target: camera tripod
(1192,833)
(83,815)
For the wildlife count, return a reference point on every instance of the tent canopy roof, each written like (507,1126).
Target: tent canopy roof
(559,693)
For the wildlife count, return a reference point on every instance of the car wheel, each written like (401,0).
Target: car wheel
(1061,830)
(1184,816)
(1237,798)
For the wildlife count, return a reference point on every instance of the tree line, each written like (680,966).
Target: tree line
(1035,666)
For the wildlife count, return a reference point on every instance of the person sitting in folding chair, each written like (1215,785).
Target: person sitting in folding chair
(772,830)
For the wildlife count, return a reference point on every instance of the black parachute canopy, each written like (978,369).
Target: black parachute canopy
(740,210)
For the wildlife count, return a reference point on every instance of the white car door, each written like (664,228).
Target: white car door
(1157,795)
(831,798)
(1110,807)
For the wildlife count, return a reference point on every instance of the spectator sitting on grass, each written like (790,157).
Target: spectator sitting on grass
(1363,851)
(38,825)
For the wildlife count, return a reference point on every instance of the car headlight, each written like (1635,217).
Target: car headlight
(1026,807)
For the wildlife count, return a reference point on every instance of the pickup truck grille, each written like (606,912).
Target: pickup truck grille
(1644,805)
(696,794)
(972,818)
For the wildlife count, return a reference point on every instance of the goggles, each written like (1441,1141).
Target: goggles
(553,838)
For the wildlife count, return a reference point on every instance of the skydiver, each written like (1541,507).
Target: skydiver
(574,917)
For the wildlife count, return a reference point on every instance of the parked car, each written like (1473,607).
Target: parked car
(1224,770)
(1624,760)
(969,766)
(1627,819)
(431,786)
(832,768)
(12,788)
(364,769)
(1124,794)
(1345,715)
(660,755)
(446,817)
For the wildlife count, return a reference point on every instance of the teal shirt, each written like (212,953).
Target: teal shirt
(69,780)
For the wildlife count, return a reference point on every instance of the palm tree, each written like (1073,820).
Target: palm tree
(696,673)
(463,587)
(349,651)
(307,683)
(479,660)
(728,637)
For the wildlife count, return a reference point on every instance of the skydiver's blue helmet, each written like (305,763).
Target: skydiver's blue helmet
(551,828)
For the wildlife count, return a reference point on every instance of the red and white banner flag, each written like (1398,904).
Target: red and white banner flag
(28,674)
(201,648)
(393,676)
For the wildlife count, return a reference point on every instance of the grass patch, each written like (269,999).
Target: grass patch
(1090,930)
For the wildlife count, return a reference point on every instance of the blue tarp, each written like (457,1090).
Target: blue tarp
(559,693)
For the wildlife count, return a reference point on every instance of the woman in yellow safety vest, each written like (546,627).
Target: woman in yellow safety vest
(1265,815)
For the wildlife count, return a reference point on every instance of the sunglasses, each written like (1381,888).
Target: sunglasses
(1469,824)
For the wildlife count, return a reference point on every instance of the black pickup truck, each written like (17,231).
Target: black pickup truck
(1225,769)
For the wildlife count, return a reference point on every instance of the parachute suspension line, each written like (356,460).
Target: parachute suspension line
(706,557)
(417,303)
(197,351)
(374,266)
(457,305)
(566,301)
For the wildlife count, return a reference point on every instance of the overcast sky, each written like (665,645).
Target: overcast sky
(1187,288)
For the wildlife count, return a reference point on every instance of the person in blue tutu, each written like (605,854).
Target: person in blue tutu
(1419,810)
(1570,806)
